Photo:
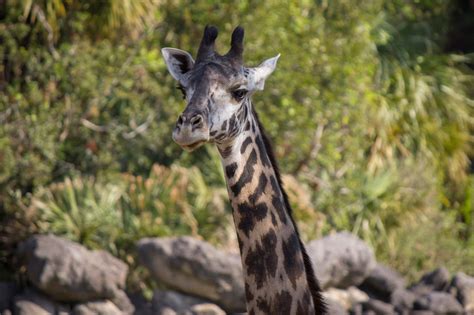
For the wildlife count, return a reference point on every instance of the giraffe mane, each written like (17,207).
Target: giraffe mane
(315,289)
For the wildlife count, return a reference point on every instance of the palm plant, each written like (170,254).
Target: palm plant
(81,210)
(170,201)
(101,17)
(423,108)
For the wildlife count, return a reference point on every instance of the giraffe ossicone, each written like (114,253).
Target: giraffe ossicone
(278,274)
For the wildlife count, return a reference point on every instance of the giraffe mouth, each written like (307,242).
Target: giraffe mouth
(189,139)
(193,146)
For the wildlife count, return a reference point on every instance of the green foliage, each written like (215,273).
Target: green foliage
(173,200)
(372,205)
(466,208)
(91,110)
(81,210)
(413,247)
(170,201)
(65,18)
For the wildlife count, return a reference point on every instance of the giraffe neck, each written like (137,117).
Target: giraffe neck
(271,252)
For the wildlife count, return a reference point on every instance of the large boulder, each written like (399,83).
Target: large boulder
(69,272)
(341,260)
(381,282)
(196,268)
(464,288)
(439,303)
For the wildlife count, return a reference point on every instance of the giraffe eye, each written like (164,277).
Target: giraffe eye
(239,94)
(182,89)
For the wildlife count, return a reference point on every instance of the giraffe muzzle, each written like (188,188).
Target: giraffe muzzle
(191,131)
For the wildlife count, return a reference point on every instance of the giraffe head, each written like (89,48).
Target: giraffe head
(216,88)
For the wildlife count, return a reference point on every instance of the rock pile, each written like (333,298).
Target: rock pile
(352,279)
(66,278)
(434,293)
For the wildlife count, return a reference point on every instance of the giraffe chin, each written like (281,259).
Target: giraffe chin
(193,146)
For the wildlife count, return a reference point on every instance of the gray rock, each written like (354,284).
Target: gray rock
(25,306)
(377,307)
(170,303)
(196,268)
(381,282)
(97,307)
(205,309)
(69,272)
(356,309)
(341,260)
(464,286)
(334,307)
(402,300)
(346,298)
(436,280)
(32,302)
(121,300)
(7,291)
(438,302)
(165,311)
(171,300)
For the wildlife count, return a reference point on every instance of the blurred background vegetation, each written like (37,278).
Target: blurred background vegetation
(371,112)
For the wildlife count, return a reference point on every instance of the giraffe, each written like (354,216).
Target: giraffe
(278,275)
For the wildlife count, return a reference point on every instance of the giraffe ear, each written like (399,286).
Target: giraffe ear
(178,62)
(258,75)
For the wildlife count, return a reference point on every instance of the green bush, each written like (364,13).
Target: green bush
(173,201)
(170,201)
(426,240)
(81,210)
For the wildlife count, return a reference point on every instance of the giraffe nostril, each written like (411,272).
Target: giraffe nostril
(196,120)
(180,120)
